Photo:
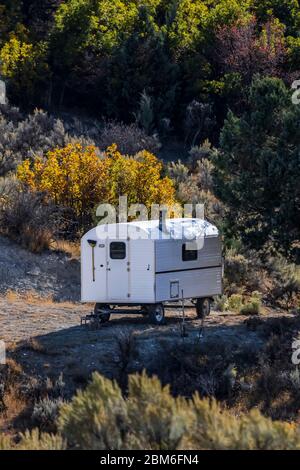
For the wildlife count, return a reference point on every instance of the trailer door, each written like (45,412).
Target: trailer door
(118,271)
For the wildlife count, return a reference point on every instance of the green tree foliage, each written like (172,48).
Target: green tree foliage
(188,25)
(97,25)
(102,55)
(134,68)
(227,12)
(257,173)
(287,11)
(10,18)
(24,65)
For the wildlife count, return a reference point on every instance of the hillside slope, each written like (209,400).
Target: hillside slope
(48,274)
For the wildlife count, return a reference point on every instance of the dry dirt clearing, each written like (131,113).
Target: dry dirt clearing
(55,274)
(46,339)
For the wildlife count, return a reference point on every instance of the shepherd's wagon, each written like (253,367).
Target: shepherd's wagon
(150,264)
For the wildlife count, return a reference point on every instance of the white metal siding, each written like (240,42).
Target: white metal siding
(195,283)
(93,291)
(153,265)
(142,271)
(168,255)
(118,274)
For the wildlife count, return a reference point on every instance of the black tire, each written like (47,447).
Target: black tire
(103,317)
(157,314)
(203,307)
(145,311)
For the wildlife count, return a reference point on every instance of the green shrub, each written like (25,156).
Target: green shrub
(214,429)
(235,302)
(178,171)
(151,418)
(285,282)
(34,440)
(236,266)
(130,139)
(5,442)
(242,270)
(25,137)
(45,413)
(158,420)
(221,303)
(27,218)
(97,417)
(145,114)
(253,306)
(201,153)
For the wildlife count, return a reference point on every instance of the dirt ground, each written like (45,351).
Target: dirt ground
(52,273)
(46,339)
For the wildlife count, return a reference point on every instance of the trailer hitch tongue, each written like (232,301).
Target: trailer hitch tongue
(93,244)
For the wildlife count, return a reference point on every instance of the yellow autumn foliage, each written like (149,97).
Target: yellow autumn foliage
(76,177)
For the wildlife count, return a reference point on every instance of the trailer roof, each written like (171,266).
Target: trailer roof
(180,229)
(192,227)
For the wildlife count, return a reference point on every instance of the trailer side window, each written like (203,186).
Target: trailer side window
(189,255)
(117,250)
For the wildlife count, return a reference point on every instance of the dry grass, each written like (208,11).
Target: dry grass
(70,248)
(15,405)
(13,368)
(34,345)
(11,296)
(31,297)
(27,218)
(11,346)
(12,403)
(37,239)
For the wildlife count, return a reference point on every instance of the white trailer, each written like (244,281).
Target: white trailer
(149,264)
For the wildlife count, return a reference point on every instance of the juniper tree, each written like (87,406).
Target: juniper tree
(257,173)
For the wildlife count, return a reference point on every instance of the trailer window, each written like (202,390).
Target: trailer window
(189,255)
(118,250)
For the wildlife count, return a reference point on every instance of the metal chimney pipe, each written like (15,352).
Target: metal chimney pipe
(162,220)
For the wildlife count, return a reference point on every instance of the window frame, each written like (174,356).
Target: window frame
(123,251)
(184,251)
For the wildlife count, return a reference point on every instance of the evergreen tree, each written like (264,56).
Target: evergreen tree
(257,174)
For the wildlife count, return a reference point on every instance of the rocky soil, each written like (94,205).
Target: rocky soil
(49,274)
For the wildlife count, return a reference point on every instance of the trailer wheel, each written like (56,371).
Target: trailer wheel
(203,307)
(103,317)
(157,314)
(145,311)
